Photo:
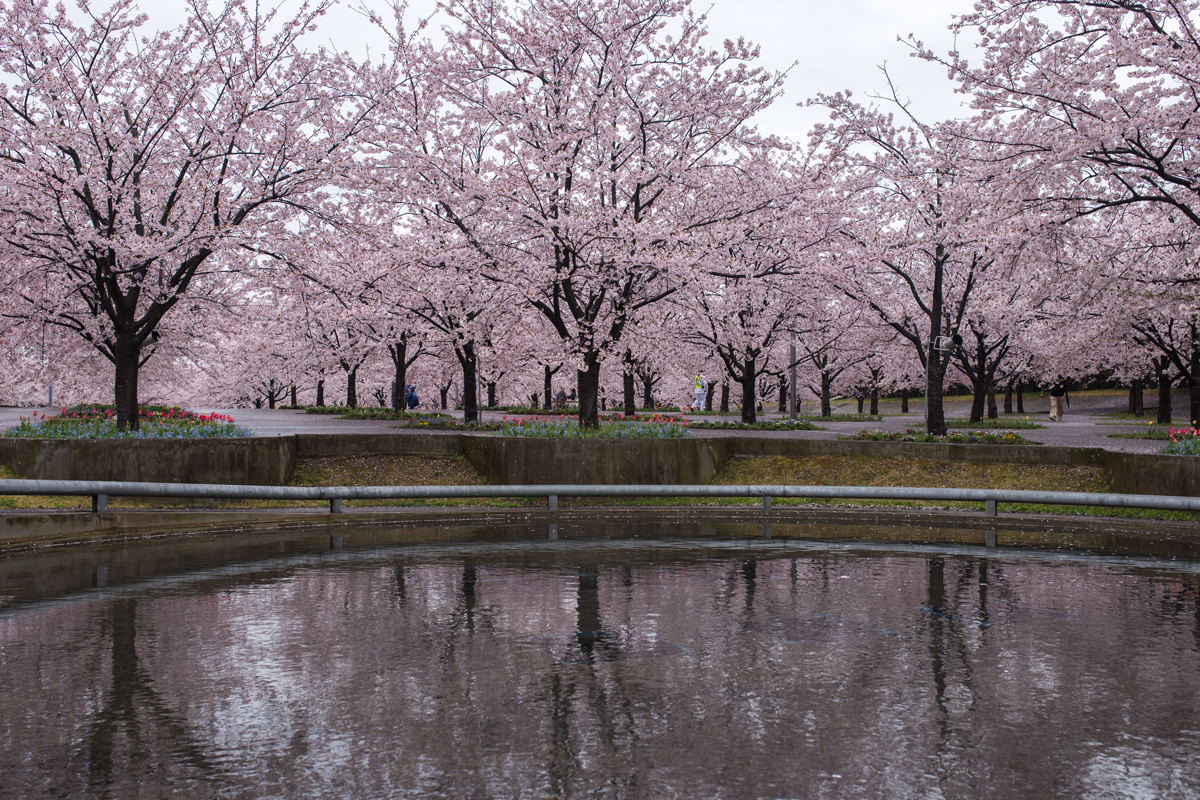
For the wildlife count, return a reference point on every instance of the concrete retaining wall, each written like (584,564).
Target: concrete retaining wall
(595,461)
(1150,473)
(264,462)
(271,461)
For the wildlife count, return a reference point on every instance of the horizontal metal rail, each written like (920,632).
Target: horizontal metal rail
(100,491)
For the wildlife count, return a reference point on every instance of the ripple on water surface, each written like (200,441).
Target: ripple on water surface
(677,668)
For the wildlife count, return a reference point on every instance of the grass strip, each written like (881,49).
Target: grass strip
(831,470)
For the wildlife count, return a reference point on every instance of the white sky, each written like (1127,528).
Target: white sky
(835,44)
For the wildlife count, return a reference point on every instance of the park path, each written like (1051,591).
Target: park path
(1084,425)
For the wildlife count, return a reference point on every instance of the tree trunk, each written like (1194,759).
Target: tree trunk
(724,398)
(826,394)
(783,395)
(748,398)
(1008,393)
(445,392)
(399,354)
(875,402)
(648,391)
(860,400)
(991,402)
(1136,401)
(352,388)
(491,389)
(466,359)
(1021,397)
(978,397)
(321,393)
(1194,385)
(1162,372)
(271,394)
(904,401)
(935,413)
(630,394)
(588,384)
(294,395)
(546,387)
(127,356)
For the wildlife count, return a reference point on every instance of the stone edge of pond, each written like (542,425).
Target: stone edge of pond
(25,530)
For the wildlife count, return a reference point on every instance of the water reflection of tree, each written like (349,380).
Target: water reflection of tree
(573,679)
(132,708)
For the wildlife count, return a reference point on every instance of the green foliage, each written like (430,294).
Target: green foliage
(1154,434)
(375,412)
(100,422)
(1002,423)
(953,437)
(766,425)
(564,427)
(334,409)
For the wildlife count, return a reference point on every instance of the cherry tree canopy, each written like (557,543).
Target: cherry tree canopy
(133,164)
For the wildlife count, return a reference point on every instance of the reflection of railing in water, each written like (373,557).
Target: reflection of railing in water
(100,491)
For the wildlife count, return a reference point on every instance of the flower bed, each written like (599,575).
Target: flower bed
(768,425)
(1184,442)
(953,437)
(100,422)
(567,427)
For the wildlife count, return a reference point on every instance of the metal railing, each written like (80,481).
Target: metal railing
(101,491)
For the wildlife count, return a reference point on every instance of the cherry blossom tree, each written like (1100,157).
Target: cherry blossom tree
(1102,93)
(581,130)
(931,225)
(136,164)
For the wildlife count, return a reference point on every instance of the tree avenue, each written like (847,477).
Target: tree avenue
(521,200)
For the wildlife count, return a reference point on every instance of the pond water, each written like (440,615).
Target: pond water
(675,666)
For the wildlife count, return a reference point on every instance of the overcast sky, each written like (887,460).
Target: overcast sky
(835,45)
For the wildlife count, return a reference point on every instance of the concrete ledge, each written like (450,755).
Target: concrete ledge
(1151,473)
(52,530)
(259,461)
(503,459)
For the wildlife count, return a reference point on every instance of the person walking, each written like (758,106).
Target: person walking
(1059,397)
(701,387)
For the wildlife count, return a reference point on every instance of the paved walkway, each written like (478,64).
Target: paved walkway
(1085,424)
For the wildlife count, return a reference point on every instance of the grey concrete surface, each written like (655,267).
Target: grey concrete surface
(1084,426)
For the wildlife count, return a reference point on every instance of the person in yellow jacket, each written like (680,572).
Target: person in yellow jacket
(701,387)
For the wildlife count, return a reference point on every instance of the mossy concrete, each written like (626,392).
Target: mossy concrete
(1151,473)
(517,460)
(259,461)
(271,461)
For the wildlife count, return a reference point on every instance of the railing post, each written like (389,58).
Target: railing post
(989,537)
(99,503)
(766,502)
(989,508)
(552,502)
(335,505)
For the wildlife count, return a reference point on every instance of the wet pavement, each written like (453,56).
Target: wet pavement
(1085,425)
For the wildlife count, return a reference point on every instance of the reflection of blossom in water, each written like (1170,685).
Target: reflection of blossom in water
(1136,773)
